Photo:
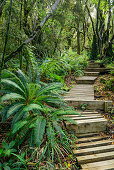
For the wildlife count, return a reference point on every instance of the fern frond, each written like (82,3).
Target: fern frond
(50,134)
(32,107)
(39,130)
(13,84)
(11,96)
(65,112)
(18,126)
(13,109)
(49,88)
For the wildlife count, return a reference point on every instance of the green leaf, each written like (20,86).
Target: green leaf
(12,143)
(23,161)
(11,96)
(49,88)
(13,109)
(18,126)
(32,107)
(11,83)
(51,134)
(58,129)
(39,130)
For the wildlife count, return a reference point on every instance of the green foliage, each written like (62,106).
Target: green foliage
(102,80)
(7,149)
(55,69)
(109,85)
(83,106)
(37,111)
(9,159)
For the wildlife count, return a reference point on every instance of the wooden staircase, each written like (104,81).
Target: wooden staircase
(94,151)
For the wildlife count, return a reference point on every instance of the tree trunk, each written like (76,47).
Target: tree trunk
(78,39)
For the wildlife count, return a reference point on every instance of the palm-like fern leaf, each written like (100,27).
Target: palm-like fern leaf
(13,84)
(31,107)
(11,96)
(18,126)
(50,134)
(39,130)
(14,108)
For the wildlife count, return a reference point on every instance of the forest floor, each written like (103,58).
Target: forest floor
(102,92)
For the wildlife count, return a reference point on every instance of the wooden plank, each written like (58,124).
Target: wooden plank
(87,135)
(90,139)
(95,157)
(93,150)
(84,117)
(95,143)
(106,167)
(99,164)
(92,120)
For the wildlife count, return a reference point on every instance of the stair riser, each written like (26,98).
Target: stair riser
(101,70)
(91,74)
(87,127)
(96,159)
(95,65)
(92,105)
(95,152)
(85,81)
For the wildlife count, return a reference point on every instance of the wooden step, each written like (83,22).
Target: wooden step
(93,150)
(82,115)
(85,117)
(87,135)
(101,165)
(94,65)
(95,144)
(91,73)
(91,139)
(101,70)
(85,80)
(88,125)
(95,157)
(91,104)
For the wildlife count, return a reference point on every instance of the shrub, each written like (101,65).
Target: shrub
(109,85)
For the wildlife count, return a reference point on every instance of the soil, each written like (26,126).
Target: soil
(101,92)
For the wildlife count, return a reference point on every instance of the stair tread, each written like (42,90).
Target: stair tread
(86,78)
(95,157)
(87,135)
(91,72)
(95,143)
(85,117)
(94,150)
(90,121)
(99,165)
(92,138)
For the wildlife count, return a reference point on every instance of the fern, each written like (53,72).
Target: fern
(39,130)
(18,126)
(11,96)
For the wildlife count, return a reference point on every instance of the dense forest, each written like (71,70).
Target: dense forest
(43,43)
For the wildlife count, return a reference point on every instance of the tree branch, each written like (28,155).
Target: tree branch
(90,19)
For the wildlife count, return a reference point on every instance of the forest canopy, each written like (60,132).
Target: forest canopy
(48,28)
